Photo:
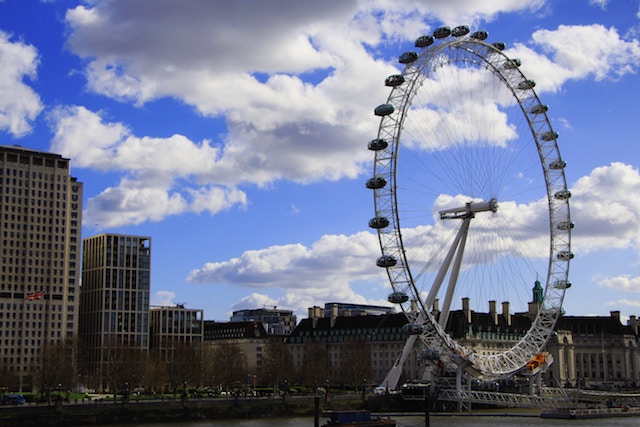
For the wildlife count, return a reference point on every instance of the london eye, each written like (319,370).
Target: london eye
(470,198)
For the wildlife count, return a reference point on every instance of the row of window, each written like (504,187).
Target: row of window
(37,161)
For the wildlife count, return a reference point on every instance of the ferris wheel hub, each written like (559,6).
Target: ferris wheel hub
(470,209)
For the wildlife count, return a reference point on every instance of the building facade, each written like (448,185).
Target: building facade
(275,322)
(114,301)
(40,227)
(330,345)
(249,338)
(169,326)
(595,352)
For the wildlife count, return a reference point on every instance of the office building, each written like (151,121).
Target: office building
(275,322)
(114,302)
(171,326)
(40,227)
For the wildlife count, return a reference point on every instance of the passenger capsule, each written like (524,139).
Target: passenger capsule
(376,182)
(408,57)
(526,84)
(386,261)
(398,297)
(557,165)
(383,110)
(562,284)
(539,109)
(480,35)
(460,30)
(565,255)
(413,328)
(499,45)
(377,144)
(378,222)
(394,80)
(565,225)
(442,32)
(549,136)
(562,195)
(512,63)
(424,41)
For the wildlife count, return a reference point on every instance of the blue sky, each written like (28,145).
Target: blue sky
(234,133)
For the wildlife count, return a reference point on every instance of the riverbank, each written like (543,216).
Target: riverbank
(108,412)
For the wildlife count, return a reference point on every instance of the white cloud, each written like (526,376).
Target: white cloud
(602,4)
(19,103)
(624,283)
(163,298)
(328,269)
(296,90)
(324,269)
(624,303)
(576,52)
(162,176)
(605,215)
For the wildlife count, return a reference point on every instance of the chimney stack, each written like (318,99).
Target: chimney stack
(466,311)
(493,313)
(615,315)
(633,322)
(505,313)
(334,314)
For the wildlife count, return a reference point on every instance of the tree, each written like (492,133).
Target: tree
(123,367)
(316,371)
(154,373)
(57,369)
(355,363)
(276,362)
(228,366)
(183,366)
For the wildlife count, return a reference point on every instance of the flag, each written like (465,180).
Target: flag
(34,296)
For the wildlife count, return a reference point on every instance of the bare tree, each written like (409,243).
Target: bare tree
(124,368)
(183,366)
(276,362)
(228,366)
(57,368)
(354,363)
(316,370)
(9,380)
(154,373)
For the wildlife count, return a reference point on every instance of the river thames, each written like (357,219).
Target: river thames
(413,421)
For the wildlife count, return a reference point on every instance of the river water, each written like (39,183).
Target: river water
(417,421)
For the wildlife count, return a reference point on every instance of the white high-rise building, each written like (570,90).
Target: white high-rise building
(40,231)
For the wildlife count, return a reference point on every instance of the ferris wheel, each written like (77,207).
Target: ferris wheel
(471,201)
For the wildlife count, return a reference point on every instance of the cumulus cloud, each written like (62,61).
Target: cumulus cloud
(161,176)
(325,267)
(163,298)
(624,303)
(295,89)
(328,269)
(624,283)
(573,52)
(19,104)
(605,216)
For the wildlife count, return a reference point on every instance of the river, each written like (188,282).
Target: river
(414,421)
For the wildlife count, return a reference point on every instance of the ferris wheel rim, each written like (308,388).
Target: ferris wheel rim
(394,258)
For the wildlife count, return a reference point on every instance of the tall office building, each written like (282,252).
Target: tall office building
(114,301)
(40,227)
